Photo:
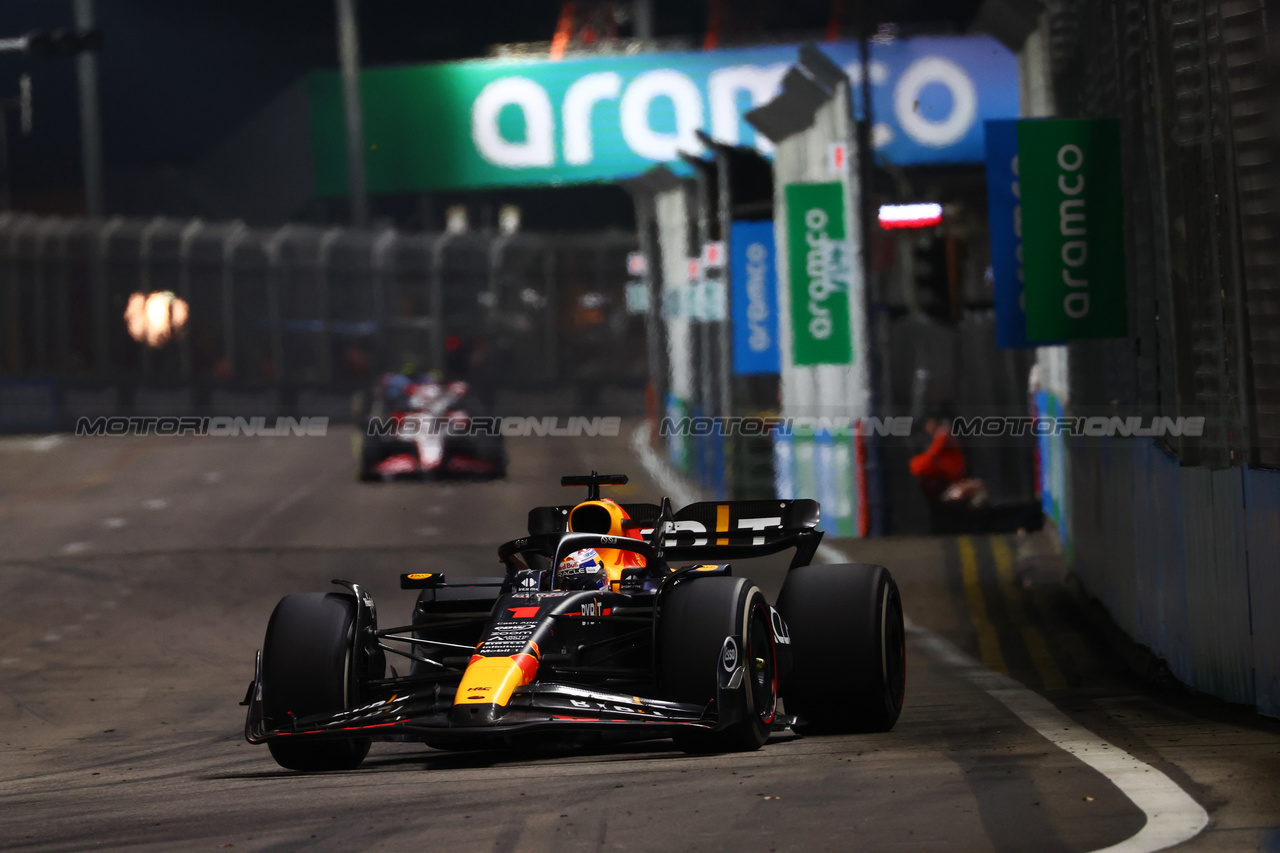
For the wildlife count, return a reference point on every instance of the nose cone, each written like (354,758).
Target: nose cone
(474,715)
(486,687)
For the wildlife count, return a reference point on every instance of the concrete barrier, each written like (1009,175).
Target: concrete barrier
(1186,561)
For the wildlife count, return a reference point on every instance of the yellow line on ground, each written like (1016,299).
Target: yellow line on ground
(1032,638)
(988,640)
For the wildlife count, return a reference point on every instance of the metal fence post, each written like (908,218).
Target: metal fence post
(323,356)
(15,295)
(437,299)
(272,249)
(185,239)
(144,281)
(496,249)
(383,269)
(6,224)
(39,319)
(233,238)
(549,270)
(62,307)
(101,300)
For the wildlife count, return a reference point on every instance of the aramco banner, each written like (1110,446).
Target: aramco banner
(1057,230)
(754,279)
(487,123)
(820,271)
(1004,210)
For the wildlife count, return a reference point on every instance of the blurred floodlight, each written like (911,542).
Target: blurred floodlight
(509,218)
(455,219)
(637,264)
(155,319)
(910,215)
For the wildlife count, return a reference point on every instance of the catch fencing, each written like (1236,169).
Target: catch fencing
(302,308)
(1189,80)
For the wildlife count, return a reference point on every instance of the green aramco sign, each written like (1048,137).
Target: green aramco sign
(820,270)
(602,118)
(1072,229)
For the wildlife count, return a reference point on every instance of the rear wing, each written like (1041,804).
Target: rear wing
(713,530)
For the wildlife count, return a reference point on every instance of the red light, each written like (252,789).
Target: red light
(910,215)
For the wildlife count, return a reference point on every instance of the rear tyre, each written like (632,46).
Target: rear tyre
(306,669)
(696,617)
(849,669)
(370,456)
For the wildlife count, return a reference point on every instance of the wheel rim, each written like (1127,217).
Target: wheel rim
(762,665)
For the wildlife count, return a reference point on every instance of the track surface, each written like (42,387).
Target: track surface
(137,576)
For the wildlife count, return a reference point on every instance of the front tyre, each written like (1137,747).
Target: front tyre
(307,669)
(696,617)
(847,638)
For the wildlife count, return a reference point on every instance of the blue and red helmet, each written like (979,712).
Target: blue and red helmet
(582,570)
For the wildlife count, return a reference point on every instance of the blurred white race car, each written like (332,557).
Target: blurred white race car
(420,427)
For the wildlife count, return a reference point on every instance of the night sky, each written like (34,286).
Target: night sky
(176,77)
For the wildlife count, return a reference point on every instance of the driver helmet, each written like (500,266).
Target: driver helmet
(423,395)
(582,570)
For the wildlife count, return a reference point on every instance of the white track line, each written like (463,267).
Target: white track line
(40,444)
(1172,815)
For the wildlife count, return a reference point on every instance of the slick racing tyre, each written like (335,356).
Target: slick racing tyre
(696,617)
(370,456)
(849,668)
(306,669)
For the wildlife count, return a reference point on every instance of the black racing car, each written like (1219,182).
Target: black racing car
(607,624)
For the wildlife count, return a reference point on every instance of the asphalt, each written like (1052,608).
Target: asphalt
(137,575)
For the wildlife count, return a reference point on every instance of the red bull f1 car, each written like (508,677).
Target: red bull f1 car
(611,622)
(424,428)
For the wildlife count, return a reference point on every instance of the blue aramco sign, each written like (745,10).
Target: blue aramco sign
(754,279)
(602,118)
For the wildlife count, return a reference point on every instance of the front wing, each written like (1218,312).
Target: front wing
(539,707)
(536,707)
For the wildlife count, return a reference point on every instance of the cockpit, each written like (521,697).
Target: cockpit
(599,568)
